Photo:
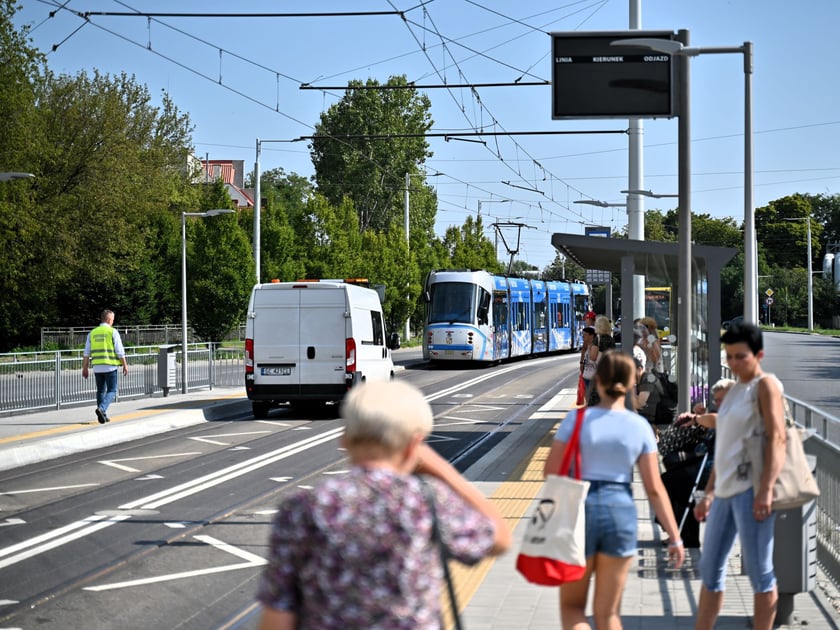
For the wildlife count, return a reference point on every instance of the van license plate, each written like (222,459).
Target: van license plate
(276,371)
(448,352)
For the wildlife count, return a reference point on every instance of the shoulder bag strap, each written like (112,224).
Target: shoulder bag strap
(573,448)
(444,556)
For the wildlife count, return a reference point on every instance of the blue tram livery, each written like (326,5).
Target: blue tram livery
(478,316)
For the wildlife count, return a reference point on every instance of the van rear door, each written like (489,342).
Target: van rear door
(321,338)
(299,341)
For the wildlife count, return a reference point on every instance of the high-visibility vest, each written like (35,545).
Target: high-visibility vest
(102,346)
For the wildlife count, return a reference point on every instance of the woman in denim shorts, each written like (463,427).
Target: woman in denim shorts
(612,441)
(730,505)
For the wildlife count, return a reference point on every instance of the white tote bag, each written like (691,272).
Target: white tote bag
(553,550)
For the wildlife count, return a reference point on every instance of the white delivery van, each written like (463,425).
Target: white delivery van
(308,342)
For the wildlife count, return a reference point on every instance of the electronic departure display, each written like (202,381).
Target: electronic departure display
(592,79)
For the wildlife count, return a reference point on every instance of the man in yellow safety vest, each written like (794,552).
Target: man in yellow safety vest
(105,351)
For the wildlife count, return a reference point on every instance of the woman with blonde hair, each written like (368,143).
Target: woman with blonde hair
(613,440)
(652,346)
(358,550)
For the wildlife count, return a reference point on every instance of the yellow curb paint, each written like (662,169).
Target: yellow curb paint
(513,499)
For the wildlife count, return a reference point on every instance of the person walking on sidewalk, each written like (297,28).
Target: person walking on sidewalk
(729,505)
(104,350)
(359,550)
(613,440)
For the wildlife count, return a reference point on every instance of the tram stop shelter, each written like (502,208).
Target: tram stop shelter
(659,260)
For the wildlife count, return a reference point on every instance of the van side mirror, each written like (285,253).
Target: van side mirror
(394,341)
(426,297)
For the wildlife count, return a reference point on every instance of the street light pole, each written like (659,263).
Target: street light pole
(184,215)
(680,48)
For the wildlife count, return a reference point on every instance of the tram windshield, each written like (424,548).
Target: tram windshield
(452,302)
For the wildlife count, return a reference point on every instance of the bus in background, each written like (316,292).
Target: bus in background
(658,305)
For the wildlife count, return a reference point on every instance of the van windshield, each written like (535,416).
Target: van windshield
(452,302)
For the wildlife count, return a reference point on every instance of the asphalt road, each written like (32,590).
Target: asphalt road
(171,531)
(808,366)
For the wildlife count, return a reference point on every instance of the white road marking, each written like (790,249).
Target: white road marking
(53,489)
(57,538)
(79,529)
(251,560)
(207,439)
(176,525)
(114,463)
(280,479)
(149,477)
(240,448)
(12,521)
(8,602)
(265,512)
(170,495)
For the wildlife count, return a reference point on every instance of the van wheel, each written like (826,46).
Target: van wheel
(261,409)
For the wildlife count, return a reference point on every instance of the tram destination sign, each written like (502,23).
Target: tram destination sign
(592,79)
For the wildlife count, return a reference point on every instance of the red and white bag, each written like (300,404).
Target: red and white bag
(553,551)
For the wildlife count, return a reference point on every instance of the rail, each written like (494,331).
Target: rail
(40,380)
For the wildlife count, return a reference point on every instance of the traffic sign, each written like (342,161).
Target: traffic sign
(769,293)
(768,301)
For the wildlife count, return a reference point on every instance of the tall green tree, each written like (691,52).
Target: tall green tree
(468,248)
(366,143)
(23,279)
(220,269)
(784,241)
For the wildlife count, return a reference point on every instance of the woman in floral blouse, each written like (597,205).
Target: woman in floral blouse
(356,551)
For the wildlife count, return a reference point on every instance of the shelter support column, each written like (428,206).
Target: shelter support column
(628,269)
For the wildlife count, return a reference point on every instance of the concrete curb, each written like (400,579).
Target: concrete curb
(92,437)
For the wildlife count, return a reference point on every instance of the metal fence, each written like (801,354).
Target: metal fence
(43,380)
(145,335)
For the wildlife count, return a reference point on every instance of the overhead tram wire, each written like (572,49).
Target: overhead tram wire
(154,14)
(453,135)
(415,86)
(484,108)
(237,92)
(148,48)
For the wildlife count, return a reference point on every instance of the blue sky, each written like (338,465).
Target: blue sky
(253,68)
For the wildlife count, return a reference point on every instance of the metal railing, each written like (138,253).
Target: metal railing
(145,335)
(43,380)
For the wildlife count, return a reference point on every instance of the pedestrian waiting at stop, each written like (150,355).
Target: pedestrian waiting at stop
(730,506)
(104,350)
(613,440)
(359,550)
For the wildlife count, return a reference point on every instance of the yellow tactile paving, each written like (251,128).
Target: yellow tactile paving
(513,498)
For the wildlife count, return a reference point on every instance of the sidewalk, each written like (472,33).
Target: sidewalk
(493,596)
(38,436)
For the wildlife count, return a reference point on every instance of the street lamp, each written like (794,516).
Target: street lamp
(184,215)
(750,254)
(810,273)
(647,193)
(6,177)
(680,48)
